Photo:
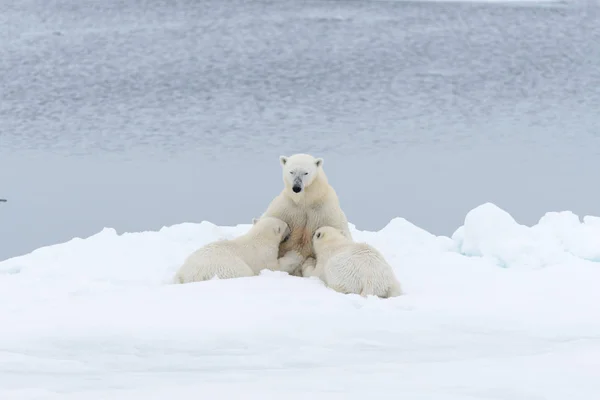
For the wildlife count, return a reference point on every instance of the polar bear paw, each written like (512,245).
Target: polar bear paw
(308,268)
(291,261)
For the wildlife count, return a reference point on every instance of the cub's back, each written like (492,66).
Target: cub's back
(357,256)
(219,258)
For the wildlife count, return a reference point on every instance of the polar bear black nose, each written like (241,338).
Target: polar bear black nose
(296,189)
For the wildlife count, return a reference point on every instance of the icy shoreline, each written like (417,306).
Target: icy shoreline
(499,310)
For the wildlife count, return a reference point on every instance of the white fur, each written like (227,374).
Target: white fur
(315,205)
(243,256)
(350,267)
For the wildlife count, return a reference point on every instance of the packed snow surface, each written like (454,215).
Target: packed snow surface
(498,311)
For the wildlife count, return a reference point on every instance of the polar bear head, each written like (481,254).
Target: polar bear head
(300,170)
(271,227)
(327,235)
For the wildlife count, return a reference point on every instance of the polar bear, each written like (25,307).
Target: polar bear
(306,203)
(243,256)
(350,267)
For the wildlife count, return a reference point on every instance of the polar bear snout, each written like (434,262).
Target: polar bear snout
(298,184)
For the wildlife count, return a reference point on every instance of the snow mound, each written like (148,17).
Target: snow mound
(500,310)
(558,238)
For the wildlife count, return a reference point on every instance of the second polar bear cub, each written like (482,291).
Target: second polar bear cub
(243,256)
(350,267)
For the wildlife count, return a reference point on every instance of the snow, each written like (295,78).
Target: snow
(559,238)
(498,311)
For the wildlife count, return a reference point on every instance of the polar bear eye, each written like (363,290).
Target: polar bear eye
(306,173)
(291,172)
(318,235)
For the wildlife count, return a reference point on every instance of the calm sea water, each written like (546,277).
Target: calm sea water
(140,114)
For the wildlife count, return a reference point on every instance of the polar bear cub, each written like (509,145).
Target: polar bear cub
(306,203)
(350,267)
(243,256)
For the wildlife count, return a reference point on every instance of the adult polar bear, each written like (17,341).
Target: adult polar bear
(306,203)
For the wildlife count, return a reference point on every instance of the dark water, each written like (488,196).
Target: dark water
(140,114)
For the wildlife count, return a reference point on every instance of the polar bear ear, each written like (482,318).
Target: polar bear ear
(319,162)
(283,160)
